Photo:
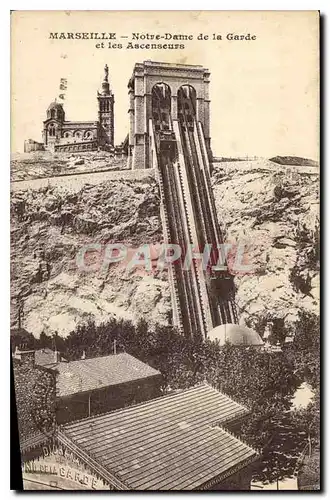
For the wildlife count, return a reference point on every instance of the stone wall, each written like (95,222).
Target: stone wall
(74,147)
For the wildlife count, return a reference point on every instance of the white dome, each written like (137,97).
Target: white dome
(235,334)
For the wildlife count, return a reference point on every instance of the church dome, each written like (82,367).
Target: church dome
(55,110)
(55,105)
(237,335)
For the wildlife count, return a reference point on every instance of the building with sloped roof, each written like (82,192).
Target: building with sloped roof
(90,386)
(47,357)
(179,441)
(175,442)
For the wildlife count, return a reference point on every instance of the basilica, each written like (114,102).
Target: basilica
(60,135)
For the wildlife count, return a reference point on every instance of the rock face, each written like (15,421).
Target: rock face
(60,280)
(53,289)
(266,208)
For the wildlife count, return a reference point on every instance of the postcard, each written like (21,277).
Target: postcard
(165,249)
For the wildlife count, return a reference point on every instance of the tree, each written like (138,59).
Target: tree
(308,419)
(44,402)
(35,399)
(305,351)
(308,257)
(22,339)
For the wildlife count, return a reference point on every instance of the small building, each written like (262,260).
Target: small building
(175,442)
(96,385)
(42,357)
(30,146)
(47,357)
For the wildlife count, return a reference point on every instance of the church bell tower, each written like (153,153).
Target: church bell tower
(106,117)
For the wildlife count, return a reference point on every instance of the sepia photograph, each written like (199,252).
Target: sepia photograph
(165,250)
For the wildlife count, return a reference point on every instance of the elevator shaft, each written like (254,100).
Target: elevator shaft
(202,296)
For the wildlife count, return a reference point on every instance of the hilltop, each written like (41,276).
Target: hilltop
(42,164)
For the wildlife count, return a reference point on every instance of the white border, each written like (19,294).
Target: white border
(323,6)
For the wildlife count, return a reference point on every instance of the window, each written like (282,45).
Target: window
(52,130)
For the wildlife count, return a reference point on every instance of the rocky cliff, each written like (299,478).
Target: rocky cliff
(265,206)
(272,211)
(51,226)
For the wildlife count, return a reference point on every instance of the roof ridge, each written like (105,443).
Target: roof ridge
(107,356)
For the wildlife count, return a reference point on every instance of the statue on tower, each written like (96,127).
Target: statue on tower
(105,112)
(106,73)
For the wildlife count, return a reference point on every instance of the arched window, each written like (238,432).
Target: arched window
(161,106)
(187,100)
(52,130)
(187,106)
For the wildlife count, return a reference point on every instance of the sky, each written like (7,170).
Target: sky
(264,93)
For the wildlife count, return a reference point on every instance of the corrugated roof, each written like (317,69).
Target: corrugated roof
(169,443)
(95,373)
